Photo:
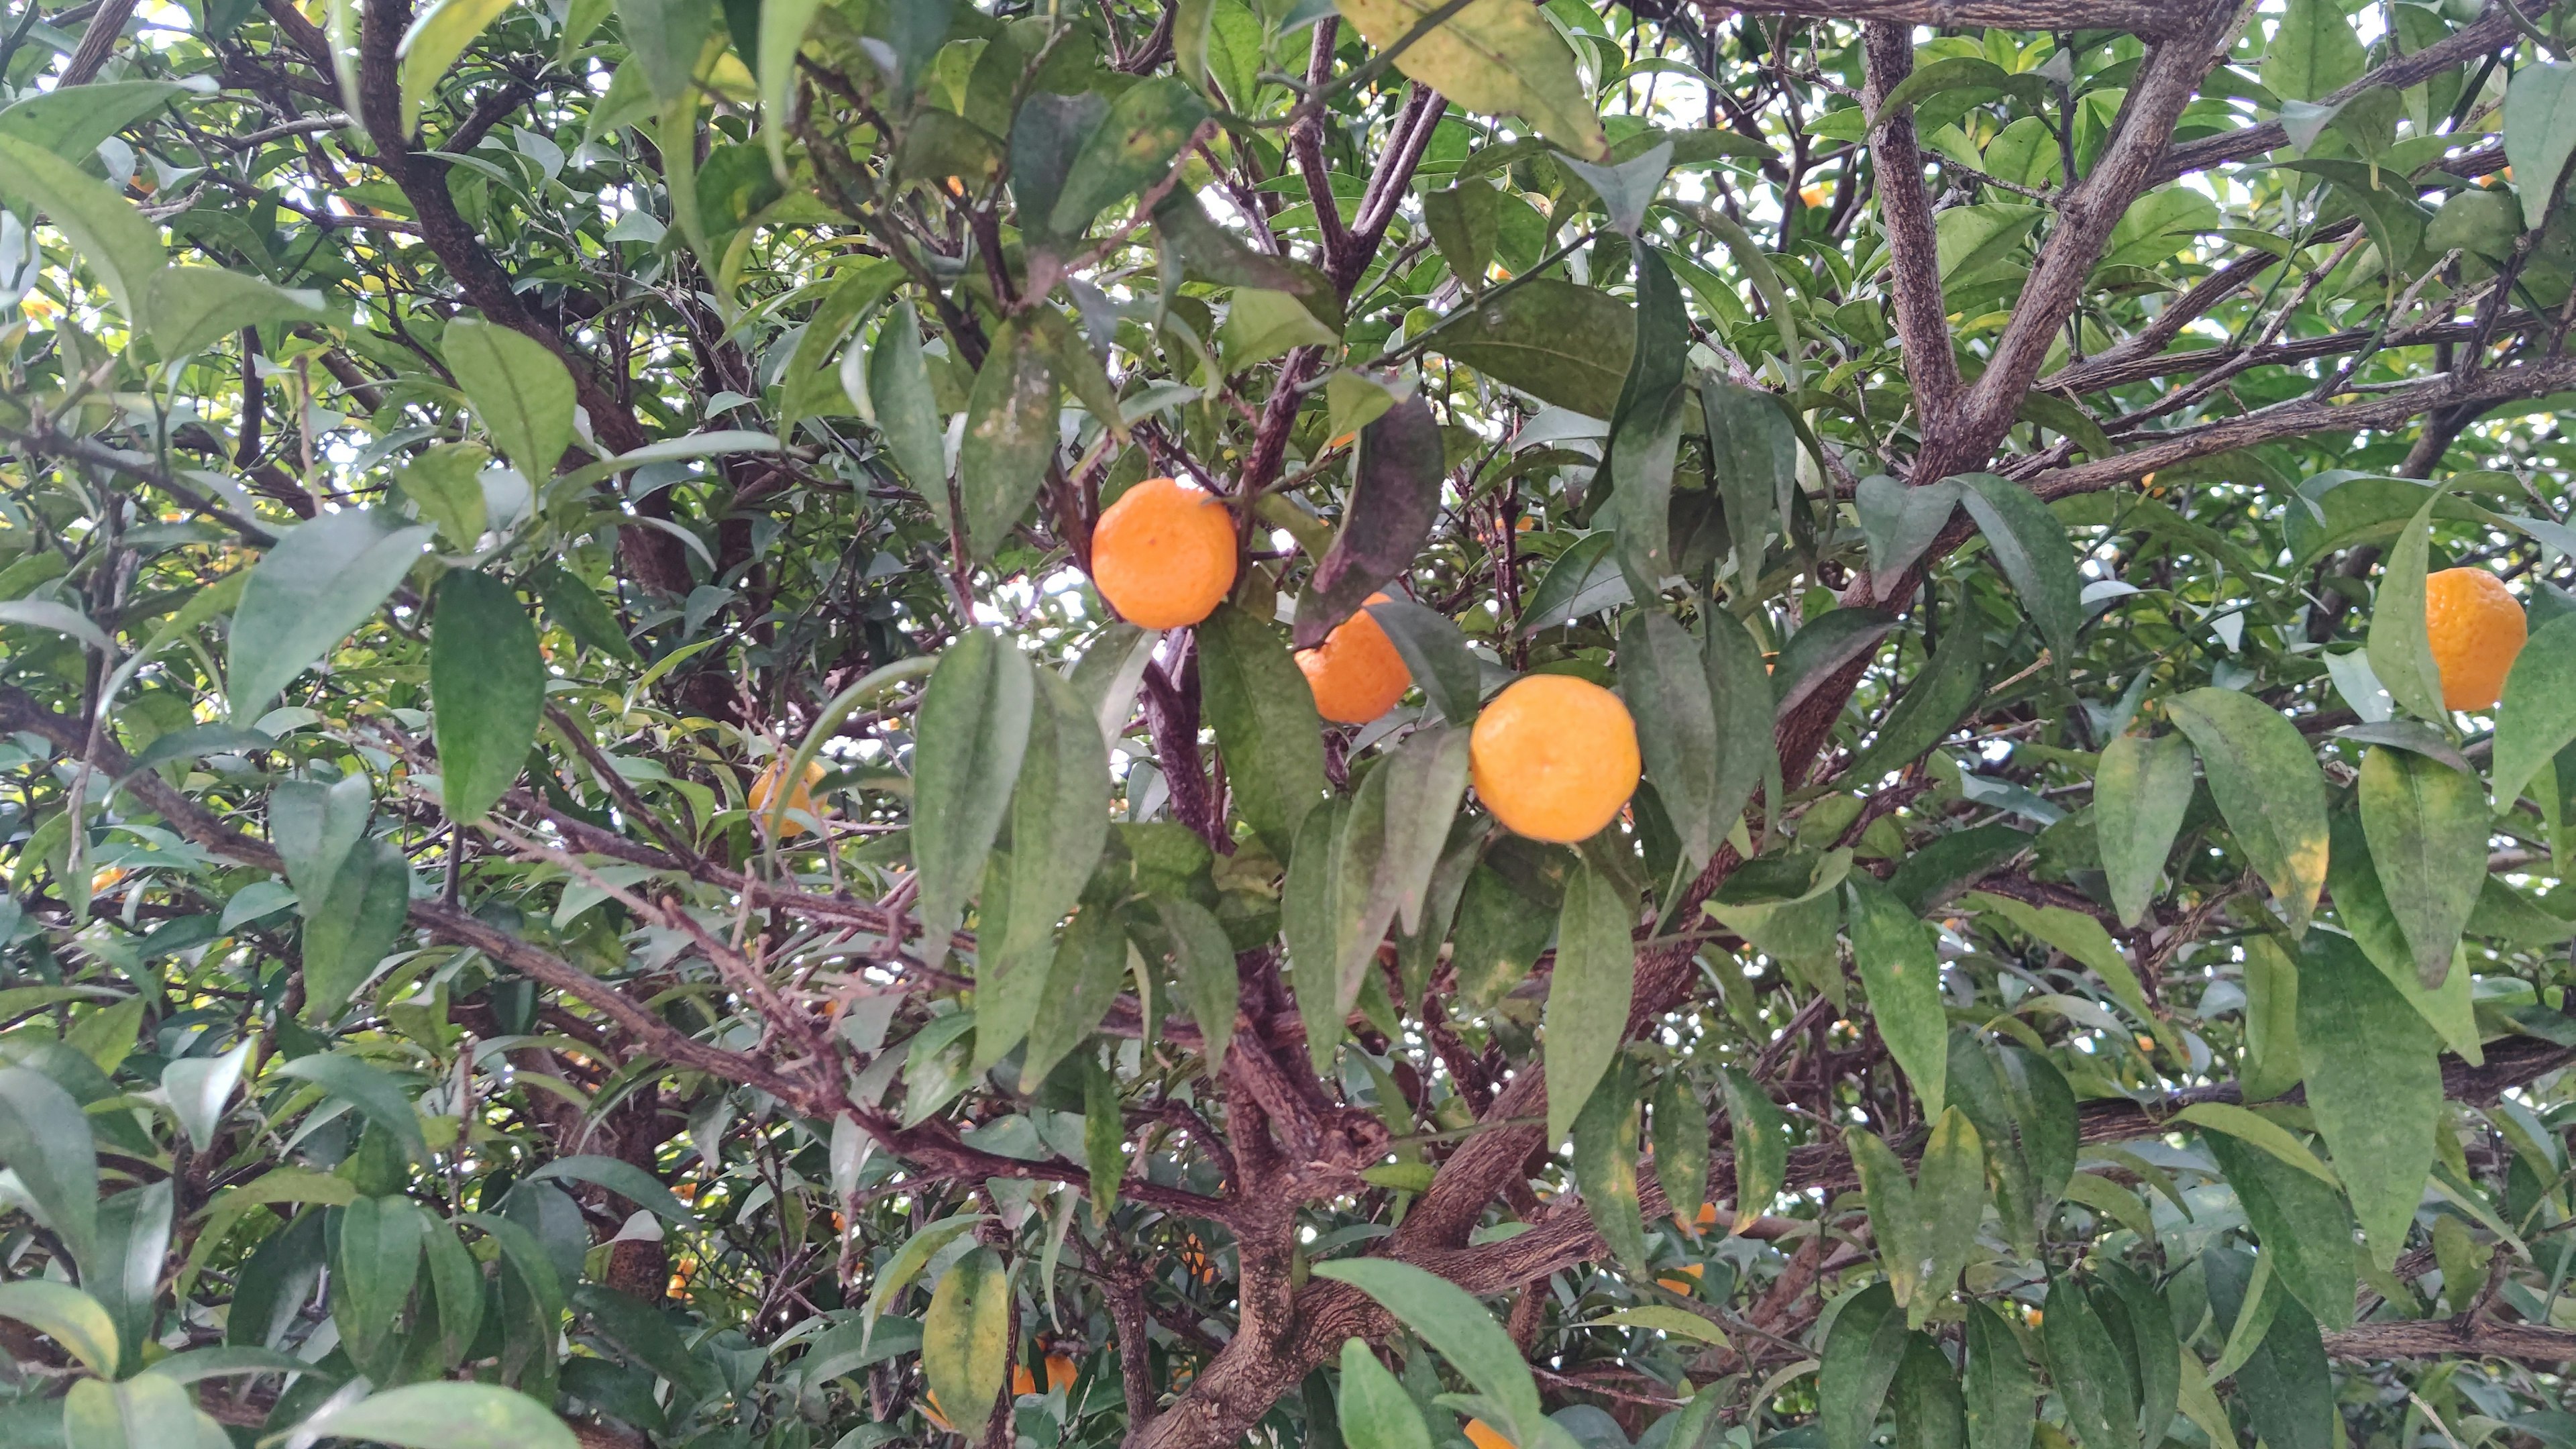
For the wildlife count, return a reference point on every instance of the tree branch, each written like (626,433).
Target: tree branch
(1913,248)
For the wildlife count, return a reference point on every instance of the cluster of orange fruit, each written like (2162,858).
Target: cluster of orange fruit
(1554,757)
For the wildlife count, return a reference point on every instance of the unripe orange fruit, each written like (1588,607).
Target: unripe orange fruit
(1554,757)
(1356,673)
(800,800)
(1484,1436)
(1163,555)
(2476,628)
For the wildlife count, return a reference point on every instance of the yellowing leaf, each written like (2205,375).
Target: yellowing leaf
(1495,56)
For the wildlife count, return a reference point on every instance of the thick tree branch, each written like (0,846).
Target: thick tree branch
(1913,248)
(2138,17)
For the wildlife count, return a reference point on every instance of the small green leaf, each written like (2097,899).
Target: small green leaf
(378,1260)
(899,393)
(1059,821)
(2264,776)
(1950,1197)
(971,733)
(1263,713)
(1753,458)
(1605,1164)
(1133,148)
(667,37)
(193,307)
(45,1139)
(1464,221)
(910,1259)
(1376,1412)
(1667,690)
(2374,1085)
(1010,437)
(2285,1384)
(2140,793)
(1898,521)
(1204,961)
(2313,52)
(2361,907)
(1589,994)
(1761,1135)
(438,35)
(623,1178)
(487,686)
(445,484)
(2304,1226)
(2401,653)
(1394,501)
(367,1088)
(1104,1133)
(1748,755)
(349,930)
(1426,779)
(321,579)
(1901,972)
(1556,341)
(121,247)
(1942,693)
(1436,654)
(2427,827)
(2030,545)
(523,392)
(2539,132)
(2093,1381)
(444,1416)
(1930,1414)
(1082,980)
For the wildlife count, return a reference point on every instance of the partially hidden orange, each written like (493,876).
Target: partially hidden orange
(2476,627)
(1163,555)
(1486,1436)
(1554,757)
(1356,672)
(800,801)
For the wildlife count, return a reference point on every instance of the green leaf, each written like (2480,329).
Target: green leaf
(1893,1214)
(1975,243)
(198,1088)
(2079,936)
(1930,1413)
(966,1340)
(2264,777)
(1681,1144)
(2261,1131)
(622,1178)
(194,307)
(1605,1164)
(2374,1086)
(1940,697)
(1376,1412)
(1445,1317)
(1104,1132)
(910,1259)
(1646,428)
(1464,221)
(2427,827)
(2313,52)
(2093,1381)
(907,415)
(1666,1319)
(61,618)
(1059,821)
(145,1412)
(2140,792)
(456,1287)
(518,387)
(1760,1131)
(314,827)
(438,35)
(487,686)
(1667,690)
(59,1311)
(2305,1227)
(1394,501)
(71,121)
(2284,1385)
(971,733)
(2537,716)
(1010,437)
(1747,753)
(350,929)
(378,1260)
(1901,972)
(444,1416)
(122,247)
(1261,325)
(1589,994)
(2361,906)
(1898,521)
(666,38)
(45,1139)
(1558,342)
(1950,1198)
(1263,713)
(1334,910)
(1132,149)
(2539,133)
(2001,1397)
(1864,1347)
(445,484)
(1824,645)
(367,1088)
(1753,460)
(1090,962)
(782,30)
(575,608)
(1493,57)
(2400,652)
(2030,545)
(1437,656)
(322,579)
(1204,961)
(1426,779)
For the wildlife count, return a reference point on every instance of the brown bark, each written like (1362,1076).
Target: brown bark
(2139,17)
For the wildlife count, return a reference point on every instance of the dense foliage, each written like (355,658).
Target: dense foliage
(460,466)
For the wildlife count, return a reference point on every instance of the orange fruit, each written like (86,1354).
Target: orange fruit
(1554,757)
(1356,673)
(930,1411)
(1707,1217)
(1022,1381)
(2476,627)
(799,800)
(1682,1279)
(1061,1371)
(1163,555)
(1484,1436)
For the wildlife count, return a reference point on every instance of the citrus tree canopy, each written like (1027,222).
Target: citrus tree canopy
(1170,723)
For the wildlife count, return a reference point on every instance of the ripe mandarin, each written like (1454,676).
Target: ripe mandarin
(1163,555)
(1356,673)
(1554,757)
(800,801)
(1485,1436)
(2476,627)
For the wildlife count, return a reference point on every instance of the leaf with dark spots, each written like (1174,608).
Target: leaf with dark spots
(1392,508)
